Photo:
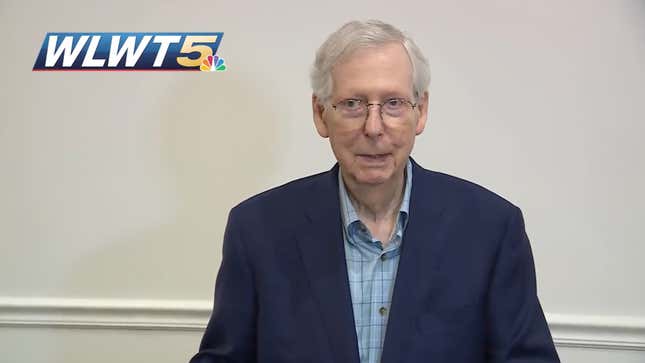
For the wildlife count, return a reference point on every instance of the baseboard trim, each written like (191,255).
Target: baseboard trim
(574,331)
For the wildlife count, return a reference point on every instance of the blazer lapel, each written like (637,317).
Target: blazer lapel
(420,255)
(320,240)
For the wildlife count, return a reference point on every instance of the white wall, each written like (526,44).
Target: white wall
(115,187)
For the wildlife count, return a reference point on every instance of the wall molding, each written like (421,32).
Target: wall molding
(576,331)
(186,315)
(598,331)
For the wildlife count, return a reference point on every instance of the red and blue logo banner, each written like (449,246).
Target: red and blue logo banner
(130,52)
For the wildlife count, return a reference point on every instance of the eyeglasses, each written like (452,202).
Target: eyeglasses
(354,109)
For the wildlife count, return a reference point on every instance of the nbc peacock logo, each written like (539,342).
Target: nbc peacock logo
(213,63)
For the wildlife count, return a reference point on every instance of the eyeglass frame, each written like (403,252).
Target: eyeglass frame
(367,105)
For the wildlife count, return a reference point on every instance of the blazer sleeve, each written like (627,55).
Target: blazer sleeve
(231,332)
(517,329)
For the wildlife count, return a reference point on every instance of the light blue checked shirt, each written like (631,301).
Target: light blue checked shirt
(372,271)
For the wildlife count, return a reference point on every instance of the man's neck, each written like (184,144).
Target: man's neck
(376,203)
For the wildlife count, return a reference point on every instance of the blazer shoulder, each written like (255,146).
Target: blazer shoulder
(456,190)
(289,196)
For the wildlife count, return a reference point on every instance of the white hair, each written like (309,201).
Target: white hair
(361,34)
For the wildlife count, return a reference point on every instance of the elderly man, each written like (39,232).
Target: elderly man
(377,259)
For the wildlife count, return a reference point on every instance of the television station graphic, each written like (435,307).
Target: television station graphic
(131,52)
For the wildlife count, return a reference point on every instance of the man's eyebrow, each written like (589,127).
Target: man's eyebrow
(384,96)
(356,95)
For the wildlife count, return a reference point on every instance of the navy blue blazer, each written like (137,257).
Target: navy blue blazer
(465,289)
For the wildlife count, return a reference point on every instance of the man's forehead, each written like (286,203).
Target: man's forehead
(385,68)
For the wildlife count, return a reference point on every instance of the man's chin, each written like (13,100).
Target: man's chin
(373,177)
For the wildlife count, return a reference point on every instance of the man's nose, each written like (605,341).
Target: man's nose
(373,121)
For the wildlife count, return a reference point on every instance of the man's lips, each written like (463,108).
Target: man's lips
(372,155)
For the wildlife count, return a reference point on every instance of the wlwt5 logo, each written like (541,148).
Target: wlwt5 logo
(130,52)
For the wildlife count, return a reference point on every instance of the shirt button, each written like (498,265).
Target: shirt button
(382,310)
(383,258)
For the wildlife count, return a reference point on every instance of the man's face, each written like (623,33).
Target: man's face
(373,151)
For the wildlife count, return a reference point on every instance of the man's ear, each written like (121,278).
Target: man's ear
(422,106)
(319,122)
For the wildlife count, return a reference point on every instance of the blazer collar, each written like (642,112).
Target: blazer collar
(320,241)
(420,257)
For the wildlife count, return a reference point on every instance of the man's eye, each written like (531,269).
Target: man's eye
(352,104)
(394,103)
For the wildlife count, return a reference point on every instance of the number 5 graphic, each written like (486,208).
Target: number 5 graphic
(190,47)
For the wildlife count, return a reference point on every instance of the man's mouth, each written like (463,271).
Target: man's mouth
(373,157)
